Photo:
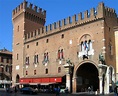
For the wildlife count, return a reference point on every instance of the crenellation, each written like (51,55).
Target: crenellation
(49,27)
(19,8)
(21,5)
(41,30)
(68,20)
(79,19)
(30,6)
(63,22)
(24,5)
(35,8)
(44,13)
(16,10)
(100,10)
(40,10)
(74,18)
(92,12)
(53,26)
(58,24)
(80,16)
(45,28)
(86,14)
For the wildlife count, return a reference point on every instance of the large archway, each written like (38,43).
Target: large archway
(87,75)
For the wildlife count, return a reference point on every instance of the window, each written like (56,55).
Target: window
(27,61)
(86,45)
(18,29)
(60,54)
(28,35)
(47,40)
(86,49)
(35,33)
(62,36)
(59,69)
(46,71)
(7,68)
(34,72)
(36,43)
(31,34)
(46,57)
(27,46)
(17,57)
(36,59)
(26,72)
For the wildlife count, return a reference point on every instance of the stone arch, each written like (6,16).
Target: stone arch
(84,37)
(75,69)
(86,74)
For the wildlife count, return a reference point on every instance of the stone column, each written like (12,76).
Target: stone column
(100,84)
(102,73)
(68,81)
(74,82)
(68,68)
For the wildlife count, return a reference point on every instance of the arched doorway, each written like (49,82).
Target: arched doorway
(17,78)
(87,76)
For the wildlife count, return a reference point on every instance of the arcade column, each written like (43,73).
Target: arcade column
(102,72)
(68,68)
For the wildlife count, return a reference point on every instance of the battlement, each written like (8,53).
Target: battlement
(28,7)
(72,21)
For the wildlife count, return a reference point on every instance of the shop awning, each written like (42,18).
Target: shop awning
(42,81)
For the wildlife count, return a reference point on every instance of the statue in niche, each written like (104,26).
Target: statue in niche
(101,58)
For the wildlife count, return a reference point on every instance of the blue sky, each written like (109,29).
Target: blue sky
(56,10)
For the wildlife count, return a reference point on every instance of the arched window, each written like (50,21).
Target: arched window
(34,72)
(26,72)
(46,71)
(27,61)
(36,59)
(60,54)
(59,69)
(46,57)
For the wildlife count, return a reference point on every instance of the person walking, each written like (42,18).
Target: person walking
(15,89)
(58,91)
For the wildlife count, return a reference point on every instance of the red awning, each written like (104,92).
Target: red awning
(41,80)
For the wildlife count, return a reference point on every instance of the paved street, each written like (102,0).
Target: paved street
(3,93)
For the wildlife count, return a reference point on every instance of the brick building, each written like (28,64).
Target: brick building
(5,68)
(75,52)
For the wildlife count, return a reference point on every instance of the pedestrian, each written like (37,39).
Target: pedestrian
(58,91)
(66,90)
(116,91)
(89,89)
(15,89)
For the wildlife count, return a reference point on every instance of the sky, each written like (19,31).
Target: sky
(55,10)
